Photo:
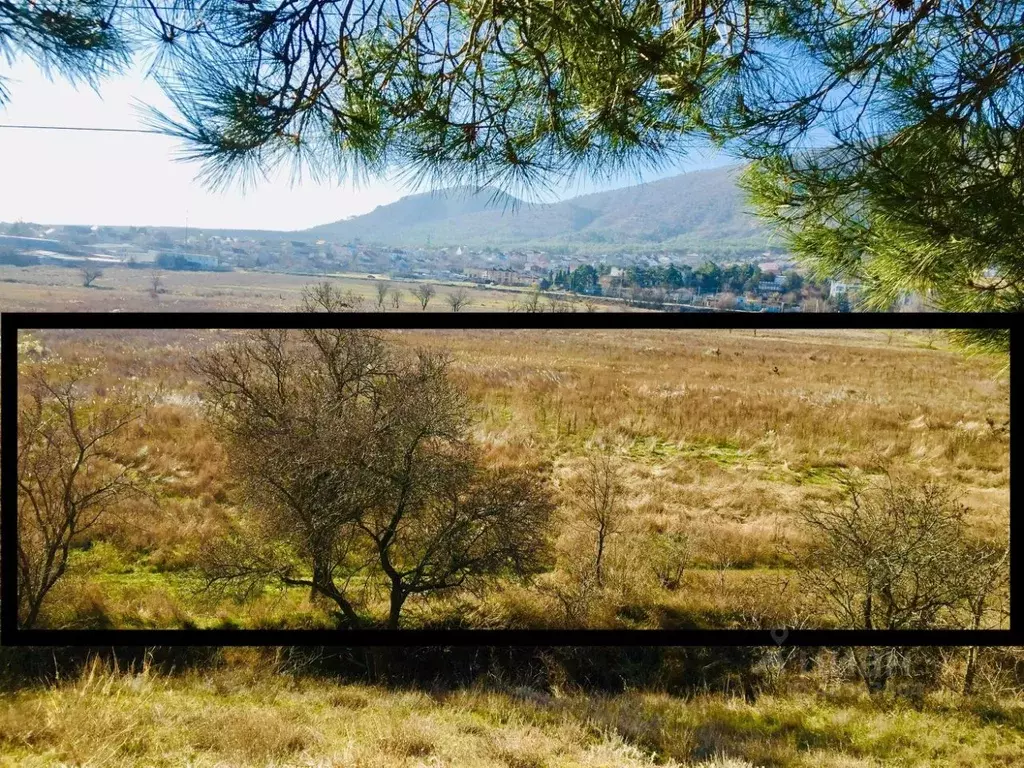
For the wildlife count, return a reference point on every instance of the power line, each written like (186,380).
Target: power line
(77,128)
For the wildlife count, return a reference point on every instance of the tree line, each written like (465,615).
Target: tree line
(708,277)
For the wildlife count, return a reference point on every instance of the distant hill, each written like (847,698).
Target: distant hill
(704,211)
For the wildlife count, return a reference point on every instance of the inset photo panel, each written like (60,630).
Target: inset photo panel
(361,479)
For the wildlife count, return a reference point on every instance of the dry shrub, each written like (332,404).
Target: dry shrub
(525,746)
(78,604)
(253,735)
(412,737)
(573,597)
(515,606)
(348,698)
(148,606)
(737,599)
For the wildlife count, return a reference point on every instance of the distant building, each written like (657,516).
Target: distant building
(189,261)
(124,251)
(498,275)
(837,288)
(60,259)
(20,243)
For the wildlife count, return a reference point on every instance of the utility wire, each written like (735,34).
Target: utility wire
(77,128)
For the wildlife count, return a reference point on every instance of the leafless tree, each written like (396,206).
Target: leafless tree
(566,303)
(893,556)
(439,517)
(396,299)
(278,399)
(598,492)
(424,293)
(325,297)
(532,301)
(71,473)
(459,300)
(669,558)
(90,275)
(382,294)
(156,285)
(356,460)
(987,579)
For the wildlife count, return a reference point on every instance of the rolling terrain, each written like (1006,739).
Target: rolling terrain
(701,210)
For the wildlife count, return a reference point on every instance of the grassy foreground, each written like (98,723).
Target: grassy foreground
(242,715)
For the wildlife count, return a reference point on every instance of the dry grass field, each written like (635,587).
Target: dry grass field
(722,437)
(59,289)
(247,715)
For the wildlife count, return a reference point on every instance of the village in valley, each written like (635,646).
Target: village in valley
(667,281)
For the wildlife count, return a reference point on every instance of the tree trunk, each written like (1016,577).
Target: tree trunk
(974,651)
(877,681)
(351,617)
(872,669)
(35,602)
(877,669)
(33,613)
(326,587)
(972,670)
(397,601)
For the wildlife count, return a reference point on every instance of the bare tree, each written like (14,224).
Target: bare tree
(669,558)
(894,556)
(90,275)
(598,493)
(356,460)
(396,299)
(156,285)
(325,297)
(278,399)
(382,294)
(424,293)
(532,301)
(71,474)
(439,518)
(987,579)
(459,300)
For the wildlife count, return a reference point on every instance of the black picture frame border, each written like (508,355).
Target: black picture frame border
(14,322)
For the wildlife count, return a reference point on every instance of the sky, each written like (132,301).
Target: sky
(70,177)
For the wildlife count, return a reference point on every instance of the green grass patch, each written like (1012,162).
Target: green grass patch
(818,475)
(652,450)
(814,474)
(655,450)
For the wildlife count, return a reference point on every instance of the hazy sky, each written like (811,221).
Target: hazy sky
(65,177)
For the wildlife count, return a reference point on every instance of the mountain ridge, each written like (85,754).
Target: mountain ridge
(699,210)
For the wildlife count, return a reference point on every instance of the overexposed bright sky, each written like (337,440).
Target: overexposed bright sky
(66,177)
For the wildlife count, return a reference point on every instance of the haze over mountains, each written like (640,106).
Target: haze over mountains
(703,211)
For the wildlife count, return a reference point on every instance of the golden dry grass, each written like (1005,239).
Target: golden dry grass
(722,436)
(249,714)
